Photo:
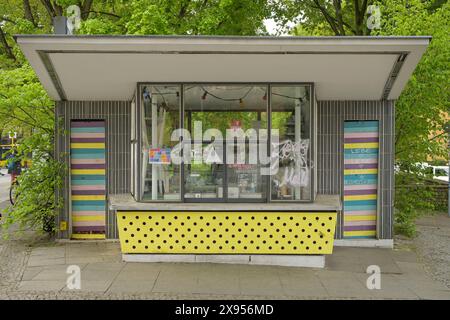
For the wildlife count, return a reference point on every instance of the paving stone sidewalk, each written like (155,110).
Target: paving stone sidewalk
(105,276)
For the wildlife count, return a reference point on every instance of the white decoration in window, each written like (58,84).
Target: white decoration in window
(297,173)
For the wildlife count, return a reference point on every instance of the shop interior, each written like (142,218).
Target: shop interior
(280,115)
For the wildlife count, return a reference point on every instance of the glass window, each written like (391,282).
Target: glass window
(223,143)
(225,122)
(290,122)
(160,116)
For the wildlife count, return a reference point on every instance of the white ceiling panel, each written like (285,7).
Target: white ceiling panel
(108,68)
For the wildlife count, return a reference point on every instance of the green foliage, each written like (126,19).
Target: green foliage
(25,106)
(24,103)
(99,26)
(320,29)
(421,109)
(414,194)
(222,121)
(422,106)
(35,206)
(146,17)
(219,17)
(26,109)
(322,17)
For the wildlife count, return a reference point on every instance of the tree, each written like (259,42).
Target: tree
(194,17)
(423,105)
(421,108)
(426,98)
(327,17)
(24,104)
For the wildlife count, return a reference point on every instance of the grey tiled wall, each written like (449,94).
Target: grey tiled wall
(330,161)
(117,117)
(329,164)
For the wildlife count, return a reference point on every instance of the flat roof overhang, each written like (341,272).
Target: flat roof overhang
(108,67)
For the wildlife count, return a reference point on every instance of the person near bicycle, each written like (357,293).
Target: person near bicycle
(14,166)
(14,169)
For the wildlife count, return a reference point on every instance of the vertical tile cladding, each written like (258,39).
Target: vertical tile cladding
(330,139)
(330,161)
(117,118)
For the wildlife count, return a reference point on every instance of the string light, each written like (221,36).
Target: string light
(288,97)
(147,95)
(226,99)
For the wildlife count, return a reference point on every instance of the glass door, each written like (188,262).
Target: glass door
(225,123)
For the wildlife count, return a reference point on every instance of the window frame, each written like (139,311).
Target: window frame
(312,154)
(268,85)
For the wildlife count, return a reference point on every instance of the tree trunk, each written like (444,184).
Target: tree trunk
(58,10)
(28,14)
(4,42)
(334,16)
(340,21)
(53,10)
(327,17)
(49,8)
(359,14)
(85,9)
(183,9)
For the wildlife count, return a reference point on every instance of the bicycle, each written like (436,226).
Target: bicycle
(13,194)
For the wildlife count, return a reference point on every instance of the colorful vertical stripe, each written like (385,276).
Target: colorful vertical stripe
(88,179)
(361,143)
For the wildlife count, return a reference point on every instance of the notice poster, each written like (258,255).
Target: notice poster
(159,156)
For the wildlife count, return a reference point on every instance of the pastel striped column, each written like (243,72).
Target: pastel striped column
(361,144)
(88,179)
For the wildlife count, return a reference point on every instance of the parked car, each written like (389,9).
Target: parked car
(440,173)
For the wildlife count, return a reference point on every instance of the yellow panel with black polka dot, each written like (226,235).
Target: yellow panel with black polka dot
(226,232)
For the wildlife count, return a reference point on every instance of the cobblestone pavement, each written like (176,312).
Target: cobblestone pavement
(433,245)
(39,272)
(36,268)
